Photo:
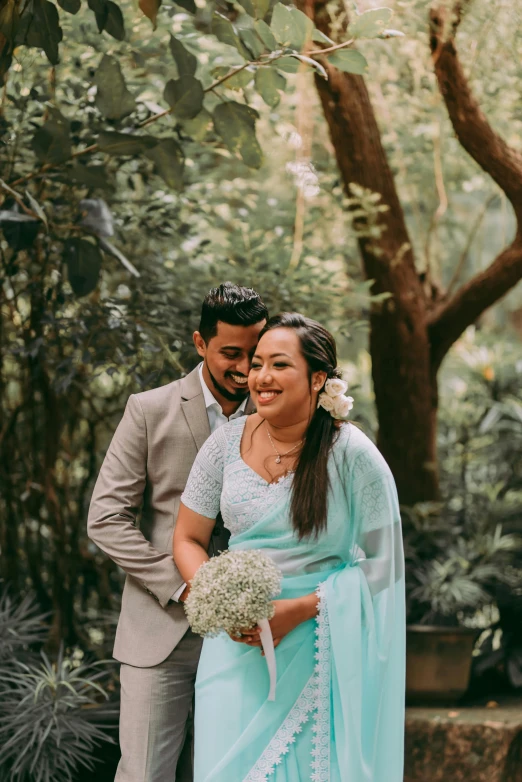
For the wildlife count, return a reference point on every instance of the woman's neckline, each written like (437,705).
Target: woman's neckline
(262,478)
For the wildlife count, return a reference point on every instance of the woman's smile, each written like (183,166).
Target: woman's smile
(266,396)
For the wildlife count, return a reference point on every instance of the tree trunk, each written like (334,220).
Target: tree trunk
(414,328)
(404,384)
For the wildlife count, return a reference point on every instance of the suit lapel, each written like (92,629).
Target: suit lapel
(194,409)
(193,406)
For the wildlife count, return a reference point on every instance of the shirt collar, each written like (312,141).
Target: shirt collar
(211,400)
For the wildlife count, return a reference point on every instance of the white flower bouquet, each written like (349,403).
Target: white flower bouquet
(232,592)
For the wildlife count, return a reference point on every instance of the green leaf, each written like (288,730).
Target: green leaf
(93,177)
(224,31)
(169,162)
(287,64)
(115,25)
(251,42)
(108,17)
(291,27)
(113,99)
(185,96)
(99,8)
(262,8)
(370,24)
(236,124)
(236,82)
(320,37)
(124,143)
(198,127)
(187,5)
(84,261)
(268,84)
(266,35)
(10,20)
(44,31)
(257,9)
(150,8)
(348,60)
(249,6)
(52,143)
(71,6)
(186,62)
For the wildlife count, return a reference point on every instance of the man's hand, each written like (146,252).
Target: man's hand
(288,615)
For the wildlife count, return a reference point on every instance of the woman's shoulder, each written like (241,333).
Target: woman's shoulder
(228,434)
(358,451)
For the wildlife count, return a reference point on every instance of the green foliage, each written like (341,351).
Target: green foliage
(453,571)
(53,714)
(465,557)
(50,721)
(22,626)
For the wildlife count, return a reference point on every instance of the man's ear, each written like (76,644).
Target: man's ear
(199,344)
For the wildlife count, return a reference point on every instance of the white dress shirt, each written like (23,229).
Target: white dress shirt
(216,418)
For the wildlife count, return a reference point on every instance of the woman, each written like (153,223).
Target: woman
(316,496)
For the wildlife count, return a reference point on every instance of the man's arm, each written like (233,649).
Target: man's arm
(115,502)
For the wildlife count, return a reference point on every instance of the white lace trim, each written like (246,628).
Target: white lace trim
(321,728)
(286,734)
(314,698)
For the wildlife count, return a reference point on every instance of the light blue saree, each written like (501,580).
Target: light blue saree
(339,709)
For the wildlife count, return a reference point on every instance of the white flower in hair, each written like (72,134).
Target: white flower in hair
(326,401)
(334,387)
(342,406)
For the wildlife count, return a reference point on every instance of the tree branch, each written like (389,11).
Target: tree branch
(447,323)
(504,164)
(471,127)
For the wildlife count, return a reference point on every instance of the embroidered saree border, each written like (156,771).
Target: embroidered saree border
(315,697)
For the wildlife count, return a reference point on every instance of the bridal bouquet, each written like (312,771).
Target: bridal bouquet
(232,592)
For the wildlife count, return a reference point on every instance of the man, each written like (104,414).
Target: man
(147,465)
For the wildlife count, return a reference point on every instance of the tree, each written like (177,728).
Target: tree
(412,331)
(415,321)
(79,329)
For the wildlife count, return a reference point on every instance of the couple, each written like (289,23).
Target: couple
(316,496)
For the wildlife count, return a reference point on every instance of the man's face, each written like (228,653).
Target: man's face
(227,358)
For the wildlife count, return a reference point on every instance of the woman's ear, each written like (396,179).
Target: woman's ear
(318,380)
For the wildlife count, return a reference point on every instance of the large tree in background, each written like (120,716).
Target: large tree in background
(413,330)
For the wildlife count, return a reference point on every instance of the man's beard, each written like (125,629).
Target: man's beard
(231,396)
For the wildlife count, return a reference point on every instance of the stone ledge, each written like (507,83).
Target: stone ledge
(473,744)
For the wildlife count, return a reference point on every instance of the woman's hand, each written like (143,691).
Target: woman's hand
(288,615)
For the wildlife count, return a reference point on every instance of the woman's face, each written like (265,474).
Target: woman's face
(279,379)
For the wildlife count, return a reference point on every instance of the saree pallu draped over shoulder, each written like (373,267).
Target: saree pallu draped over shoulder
(339,709)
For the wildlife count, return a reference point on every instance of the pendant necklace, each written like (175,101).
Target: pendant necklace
(279,456)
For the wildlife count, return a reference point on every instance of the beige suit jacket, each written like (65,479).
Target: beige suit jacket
(147,465)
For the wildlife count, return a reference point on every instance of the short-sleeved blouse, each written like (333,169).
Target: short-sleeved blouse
(221,481)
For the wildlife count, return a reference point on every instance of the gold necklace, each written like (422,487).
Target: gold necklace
(279,456)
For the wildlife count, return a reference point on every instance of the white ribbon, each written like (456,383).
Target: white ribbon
(267,642)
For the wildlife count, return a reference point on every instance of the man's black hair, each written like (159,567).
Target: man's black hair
(231,304)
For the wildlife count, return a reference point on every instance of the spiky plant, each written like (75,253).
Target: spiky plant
(50,719)
(22,625)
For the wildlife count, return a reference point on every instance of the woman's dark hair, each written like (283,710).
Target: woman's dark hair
(309,504)
(231,304)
